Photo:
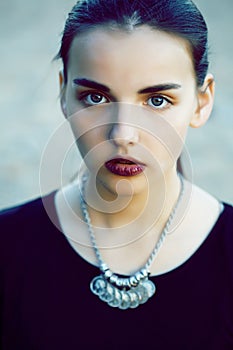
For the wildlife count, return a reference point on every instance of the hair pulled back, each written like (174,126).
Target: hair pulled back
(180,17)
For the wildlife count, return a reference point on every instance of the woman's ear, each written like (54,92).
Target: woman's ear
(205,100)
(62,93)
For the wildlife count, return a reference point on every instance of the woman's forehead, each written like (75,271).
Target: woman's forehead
(106,38)
(141,51)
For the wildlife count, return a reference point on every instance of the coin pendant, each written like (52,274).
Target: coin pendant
(125,302)
(134,299)
(109,293)
(98,285)
(150,287)
(143,294)
(123,299)
(117,299)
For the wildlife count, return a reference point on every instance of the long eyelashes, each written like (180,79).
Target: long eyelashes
(92,98)
(158,102)
(95,98)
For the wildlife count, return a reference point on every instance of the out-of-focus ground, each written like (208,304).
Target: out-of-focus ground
(30,111)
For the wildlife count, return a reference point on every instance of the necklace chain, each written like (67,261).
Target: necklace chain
(125,292)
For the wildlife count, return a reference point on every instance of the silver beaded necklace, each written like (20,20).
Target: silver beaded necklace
(125,292)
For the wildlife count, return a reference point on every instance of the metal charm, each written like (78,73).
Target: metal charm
(122,298)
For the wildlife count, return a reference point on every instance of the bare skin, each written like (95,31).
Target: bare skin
(179,246)
(129,66)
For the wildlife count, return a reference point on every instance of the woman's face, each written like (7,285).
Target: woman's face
(130,98)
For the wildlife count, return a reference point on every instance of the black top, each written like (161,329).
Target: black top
(46,303)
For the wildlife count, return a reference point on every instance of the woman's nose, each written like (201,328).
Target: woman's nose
(122,132)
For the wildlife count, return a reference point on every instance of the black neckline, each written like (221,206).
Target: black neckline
(176,270)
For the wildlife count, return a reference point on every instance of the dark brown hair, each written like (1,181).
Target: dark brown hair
(180,17)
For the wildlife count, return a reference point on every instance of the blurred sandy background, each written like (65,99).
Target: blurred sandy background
(29,106)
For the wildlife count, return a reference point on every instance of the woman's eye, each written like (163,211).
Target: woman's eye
(158,102)
(94,99)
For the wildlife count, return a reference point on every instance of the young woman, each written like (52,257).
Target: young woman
(131,253)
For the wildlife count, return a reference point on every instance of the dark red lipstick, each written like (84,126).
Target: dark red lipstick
(124,167)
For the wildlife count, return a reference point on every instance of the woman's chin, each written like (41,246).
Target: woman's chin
(118,185)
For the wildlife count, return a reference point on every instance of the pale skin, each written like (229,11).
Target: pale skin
(153,72)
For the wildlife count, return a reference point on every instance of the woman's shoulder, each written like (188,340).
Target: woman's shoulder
(207,218)
(210,208)
(16,212)
(228,210)
(16,209)
(26,216)
(11,216)
(225,221)
(27,227)
(221,233)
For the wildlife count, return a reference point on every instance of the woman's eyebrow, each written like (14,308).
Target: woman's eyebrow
(94,85)
(159,87)
(91,84)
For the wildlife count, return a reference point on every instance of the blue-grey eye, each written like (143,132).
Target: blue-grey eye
(157,101)
(95,99)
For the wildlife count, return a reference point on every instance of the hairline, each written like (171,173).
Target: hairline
(115,26)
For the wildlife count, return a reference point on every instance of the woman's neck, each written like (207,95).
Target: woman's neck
(139,212)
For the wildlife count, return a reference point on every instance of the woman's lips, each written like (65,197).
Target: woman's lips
(124,167)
